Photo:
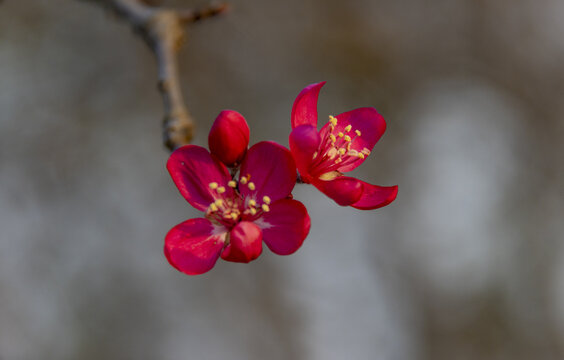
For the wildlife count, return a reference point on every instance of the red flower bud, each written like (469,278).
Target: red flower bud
(229,137)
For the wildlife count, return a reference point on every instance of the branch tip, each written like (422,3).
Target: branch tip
(192,16)
(163,31)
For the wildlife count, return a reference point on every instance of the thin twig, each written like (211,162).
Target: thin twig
(163,30)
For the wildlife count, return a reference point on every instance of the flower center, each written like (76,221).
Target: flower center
(229,210)
(335,149)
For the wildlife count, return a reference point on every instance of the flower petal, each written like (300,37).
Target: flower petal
(192,169)
(193,246)
(285,226)
(229,137)
(245,243)
(368,122)
(304,142)
(304,110)
(374,196)
(343,190)
(269,169)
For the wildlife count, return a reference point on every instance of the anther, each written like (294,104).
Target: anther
(221,189)
(213,207)
(333,120)
(332,153)
(342,151)
(265,208)
(266,199)
(218,202)
(332,137)
(213,185)
(341,134)
(252,203)
(357,132)
(232,184)
(348,128)
(347,138)
(234,216)
(253,211)
(243,180)
(251,185)
(361,155)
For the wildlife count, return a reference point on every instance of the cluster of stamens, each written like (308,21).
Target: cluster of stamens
(234,208)
(336,147)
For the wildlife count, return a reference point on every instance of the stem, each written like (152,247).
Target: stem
(163,30)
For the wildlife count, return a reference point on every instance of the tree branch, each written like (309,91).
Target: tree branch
(163,30)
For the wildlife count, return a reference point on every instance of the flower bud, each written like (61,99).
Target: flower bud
(229,137)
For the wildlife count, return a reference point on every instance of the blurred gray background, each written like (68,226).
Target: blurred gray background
(467,263)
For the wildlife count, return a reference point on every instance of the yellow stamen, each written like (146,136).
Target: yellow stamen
(357,132)
(333,120)
(221,189)
(361,155)
(341,134)
(243,180)
(234,216)
(347,138)
(332,153)
(265,208)
(213,185)
(218,202)
(213,207)
(266,199)
(253,211)
(252,203)
(329,175)
(251,185)
(332,137)
(232,184)
(348,128)
(342,151)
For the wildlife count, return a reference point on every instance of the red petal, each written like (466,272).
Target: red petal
(375,196)
(245,243)
(229,137)
(304,111)
(285,226)
(192,169)
(272,171)
(370,124)
(344,190)
(193,246)
(304,142)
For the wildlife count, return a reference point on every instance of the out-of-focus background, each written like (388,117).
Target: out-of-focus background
(467,263)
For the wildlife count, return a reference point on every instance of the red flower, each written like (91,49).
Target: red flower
(240,214)
(340,146)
